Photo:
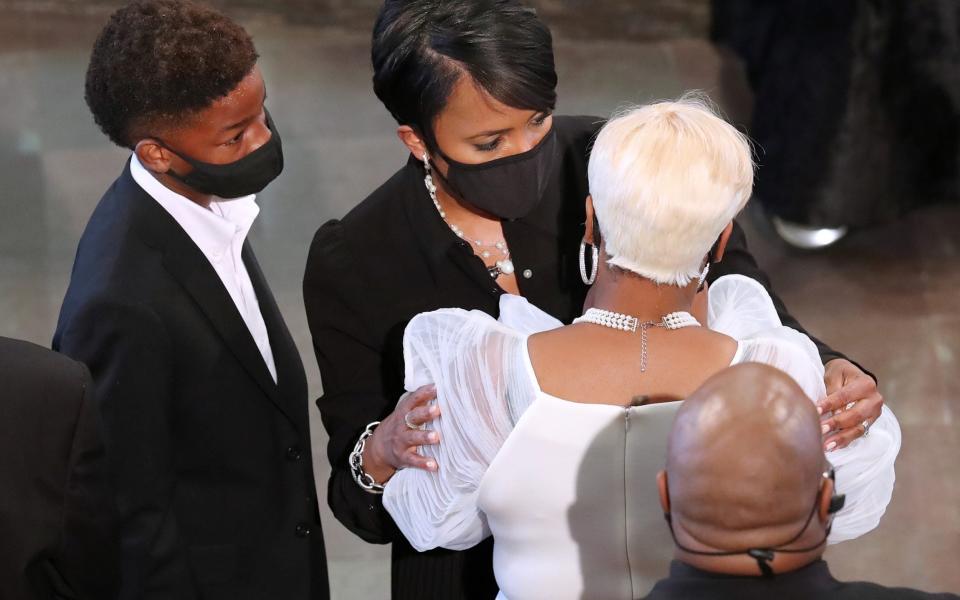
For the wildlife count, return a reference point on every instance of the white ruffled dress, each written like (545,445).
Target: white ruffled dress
(568,489)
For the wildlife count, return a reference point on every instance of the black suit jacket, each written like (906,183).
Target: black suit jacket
(210,459)
(393,257)
(56,533)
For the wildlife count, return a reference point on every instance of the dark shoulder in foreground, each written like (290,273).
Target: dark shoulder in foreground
(28,366)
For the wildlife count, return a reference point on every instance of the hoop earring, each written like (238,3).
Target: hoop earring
(702,279)
(583,263)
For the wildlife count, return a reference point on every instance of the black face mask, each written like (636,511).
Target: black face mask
(509,187)
(243,177)
(764,556)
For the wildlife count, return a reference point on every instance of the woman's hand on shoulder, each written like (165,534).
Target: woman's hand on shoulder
(393,445)
(853,402)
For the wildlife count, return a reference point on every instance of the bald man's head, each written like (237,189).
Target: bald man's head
(744,463)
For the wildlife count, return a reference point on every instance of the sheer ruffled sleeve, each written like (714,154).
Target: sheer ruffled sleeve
(518,314)
(865,474)
(482,389)
(742,309)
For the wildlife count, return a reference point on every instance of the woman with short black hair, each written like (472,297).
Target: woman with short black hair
(491,201)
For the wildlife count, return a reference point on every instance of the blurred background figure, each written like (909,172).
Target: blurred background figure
(55,523)
(886,295)
(856,110)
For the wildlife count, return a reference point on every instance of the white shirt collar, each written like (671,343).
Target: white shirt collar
(213,230)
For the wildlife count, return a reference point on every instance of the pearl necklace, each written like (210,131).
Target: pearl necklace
(622,322)
(501,267)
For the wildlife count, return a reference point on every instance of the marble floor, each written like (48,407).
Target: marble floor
(887,296)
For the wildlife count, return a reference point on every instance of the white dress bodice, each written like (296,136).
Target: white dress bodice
(568,489)
(572,505)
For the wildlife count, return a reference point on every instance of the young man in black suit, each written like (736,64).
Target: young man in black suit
(199,385)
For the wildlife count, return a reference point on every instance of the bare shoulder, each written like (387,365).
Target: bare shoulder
(574,362)
(704,335)
(556,344)
(701,348)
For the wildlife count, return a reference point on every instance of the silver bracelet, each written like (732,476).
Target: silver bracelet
(363,479)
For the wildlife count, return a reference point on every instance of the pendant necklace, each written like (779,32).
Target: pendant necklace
(622,322)
(486,250)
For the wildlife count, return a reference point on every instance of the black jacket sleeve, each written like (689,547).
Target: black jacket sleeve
(350,358)
(130,357)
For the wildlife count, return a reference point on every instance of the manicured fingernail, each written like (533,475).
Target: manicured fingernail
(434,411)
(819,410)
(432,465)
(433,437)
(831,446)
(824,428)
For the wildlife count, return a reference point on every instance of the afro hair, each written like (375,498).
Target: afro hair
(159,62)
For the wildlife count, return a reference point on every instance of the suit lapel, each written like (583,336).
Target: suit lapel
(188,265)
(286,357)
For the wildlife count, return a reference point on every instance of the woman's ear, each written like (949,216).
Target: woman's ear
(588,235)
(153,156)
(721,246)
(663,491)
(412,140)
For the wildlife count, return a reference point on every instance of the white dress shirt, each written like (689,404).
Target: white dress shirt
(219,232)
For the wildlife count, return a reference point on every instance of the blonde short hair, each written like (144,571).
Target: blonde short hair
(666,179)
